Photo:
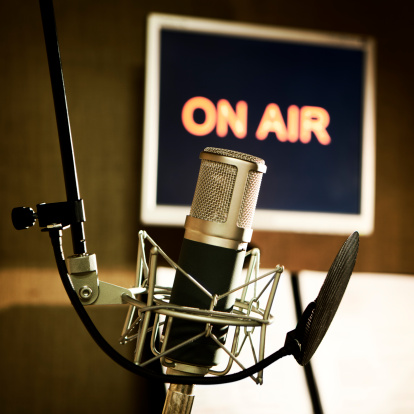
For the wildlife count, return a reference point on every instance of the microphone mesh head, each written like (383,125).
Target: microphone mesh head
(234,154)
(213,192)
(215,186)
(248,207)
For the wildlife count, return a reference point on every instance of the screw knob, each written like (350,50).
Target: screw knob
(23,218)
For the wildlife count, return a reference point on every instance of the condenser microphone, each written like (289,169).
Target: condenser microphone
(217,232)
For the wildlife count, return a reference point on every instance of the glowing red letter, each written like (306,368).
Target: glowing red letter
(272,121)
(187,116)
(227,117)
(314,119)
(293,123)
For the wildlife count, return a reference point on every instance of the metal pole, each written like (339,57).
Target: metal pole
(310,378)
(62,118)
(179,399)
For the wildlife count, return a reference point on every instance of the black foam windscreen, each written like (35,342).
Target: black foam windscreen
(317,317)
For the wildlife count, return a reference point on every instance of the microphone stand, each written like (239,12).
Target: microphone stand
(55,217)
(179,399)
(63,124)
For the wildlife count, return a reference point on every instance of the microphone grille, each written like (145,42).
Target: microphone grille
(234,154)
(248,207)
(215,188)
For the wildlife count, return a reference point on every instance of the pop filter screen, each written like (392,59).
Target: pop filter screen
(318,316)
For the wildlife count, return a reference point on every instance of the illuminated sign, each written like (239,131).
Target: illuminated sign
(301,100)
(300,122)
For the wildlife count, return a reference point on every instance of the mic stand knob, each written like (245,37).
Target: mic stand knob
(23,218)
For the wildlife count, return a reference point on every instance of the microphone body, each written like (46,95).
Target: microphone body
(213,251)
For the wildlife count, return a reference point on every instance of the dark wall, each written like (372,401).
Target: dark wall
(52,365)
(103,55)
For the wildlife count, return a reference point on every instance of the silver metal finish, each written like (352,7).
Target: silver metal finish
(179,399)
(85,292)
(110,294)
(154,316)
(225,198)
(84,277)
(82,263)
(245,317)
(86,285)
(146,319)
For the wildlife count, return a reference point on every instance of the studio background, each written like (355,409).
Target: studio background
(102,47)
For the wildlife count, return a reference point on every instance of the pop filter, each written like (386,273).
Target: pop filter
(317,317)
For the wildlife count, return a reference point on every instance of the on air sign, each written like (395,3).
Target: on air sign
(299,126)
(301,100)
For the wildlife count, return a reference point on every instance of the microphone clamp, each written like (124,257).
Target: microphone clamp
(64,213)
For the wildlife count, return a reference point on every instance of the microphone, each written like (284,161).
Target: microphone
(217,232)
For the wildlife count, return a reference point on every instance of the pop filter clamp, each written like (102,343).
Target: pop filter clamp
(145,319)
